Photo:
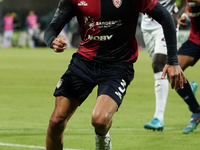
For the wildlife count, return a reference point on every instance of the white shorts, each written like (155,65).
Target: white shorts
(155,42)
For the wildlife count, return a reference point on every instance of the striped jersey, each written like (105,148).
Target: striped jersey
(107,27)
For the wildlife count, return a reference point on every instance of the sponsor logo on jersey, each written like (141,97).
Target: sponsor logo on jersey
(117,3)
(100,38)
(90,23)
(108,23)
(82,3)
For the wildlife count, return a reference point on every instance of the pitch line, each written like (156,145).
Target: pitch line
(31,146)
(119,129)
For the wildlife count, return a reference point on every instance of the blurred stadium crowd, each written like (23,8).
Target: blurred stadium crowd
(30,34)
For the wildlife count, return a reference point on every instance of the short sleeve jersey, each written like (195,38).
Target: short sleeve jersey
(107,27)
(194,10)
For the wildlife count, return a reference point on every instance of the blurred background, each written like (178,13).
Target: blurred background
(44,10)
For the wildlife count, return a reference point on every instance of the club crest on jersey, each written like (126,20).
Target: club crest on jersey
(117,3)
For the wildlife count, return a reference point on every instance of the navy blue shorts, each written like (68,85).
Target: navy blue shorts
(189,48)
(84,74)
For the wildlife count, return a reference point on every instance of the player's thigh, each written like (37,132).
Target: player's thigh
(185,61)
(149,41)
(160,43)
(64,108)
(73,87)
(115,82)
(188,54)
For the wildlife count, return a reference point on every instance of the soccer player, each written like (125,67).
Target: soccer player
(7,22)
(31,21)
(156,45)
(188,55)
(104,58)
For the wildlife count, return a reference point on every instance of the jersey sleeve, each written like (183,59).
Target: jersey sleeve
(64,13)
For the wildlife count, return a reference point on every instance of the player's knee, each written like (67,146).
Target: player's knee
(57,123)
(158,66)
(99,121)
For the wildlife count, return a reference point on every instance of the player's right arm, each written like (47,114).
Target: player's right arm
(65,11)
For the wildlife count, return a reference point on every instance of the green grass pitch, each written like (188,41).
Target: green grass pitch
(28,78)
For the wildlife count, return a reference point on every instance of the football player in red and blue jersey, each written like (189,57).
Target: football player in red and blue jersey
(104,58)
(188,55)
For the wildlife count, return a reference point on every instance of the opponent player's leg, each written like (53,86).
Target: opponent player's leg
(64,109)
(158,54)
(188,96)
(187,57)
(186,61)
(161,93)
(103,112)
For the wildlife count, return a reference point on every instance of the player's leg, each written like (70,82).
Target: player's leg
(31,42)
(64,109)
(161,93)
(71,90)
(10,38)
(5,39)
(158,54)
(186,61)
(161,85)
(103,112)
(111,91)
(188,55)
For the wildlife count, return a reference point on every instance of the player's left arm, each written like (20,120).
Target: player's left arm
(172,68)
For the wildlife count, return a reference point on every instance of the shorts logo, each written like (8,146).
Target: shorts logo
(121,89)
(117,3)
(59,83)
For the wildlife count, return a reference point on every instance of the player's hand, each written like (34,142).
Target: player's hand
(181,22)
(176,75)
(59,44)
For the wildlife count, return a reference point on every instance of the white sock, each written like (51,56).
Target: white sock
(103,142)
(161,93)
